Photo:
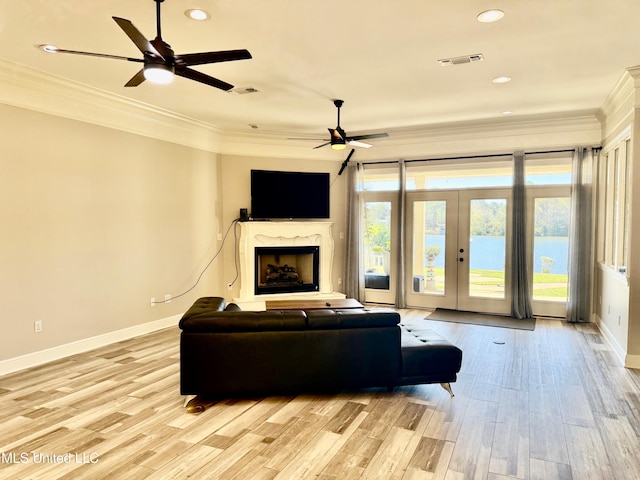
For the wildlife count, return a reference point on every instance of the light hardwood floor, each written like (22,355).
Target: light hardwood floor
(549,404)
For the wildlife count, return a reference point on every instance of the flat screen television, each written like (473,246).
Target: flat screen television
(291,195)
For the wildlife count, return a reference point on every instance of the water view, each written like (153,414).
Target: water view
(488,253)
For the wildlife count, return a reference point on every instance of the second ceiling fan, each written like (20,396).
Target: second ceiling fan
(338,138)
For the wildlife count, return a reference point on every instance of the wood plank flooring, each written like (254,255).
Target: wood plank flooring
(549,404)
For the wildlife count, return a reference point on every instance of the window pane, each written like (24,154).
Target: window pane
(551,248)
(456,174)
(429,218)
(487,247)
(377,244)
(547,170)
(381,179)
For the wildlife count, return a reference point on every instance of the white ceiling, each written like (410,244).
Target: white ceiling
(564,57)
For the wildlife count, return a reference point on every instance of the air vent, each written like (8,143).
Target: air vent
(448,62)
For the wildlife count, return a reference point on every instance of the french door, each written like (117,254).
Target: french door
(457,255)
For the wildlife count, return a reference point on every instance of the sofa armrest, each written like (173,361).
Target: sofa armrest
(204,305)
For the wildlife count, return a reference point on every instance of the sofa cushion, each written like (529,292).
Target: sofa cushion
(424,352)
(241,321)
(352,318)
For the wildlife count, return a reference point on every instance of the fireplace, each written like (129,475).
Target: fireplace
(256,235)
(287,269)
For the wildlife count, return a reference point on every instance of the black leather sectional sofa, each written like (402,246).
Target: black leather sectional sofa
(226,352)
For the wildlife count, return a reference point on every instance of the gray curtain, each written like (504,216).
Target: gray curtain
(520,292)
(579,302)
(400,263)
(354,262)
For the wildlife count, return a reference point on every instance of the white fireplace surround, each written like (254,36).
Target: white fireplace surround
(284,234)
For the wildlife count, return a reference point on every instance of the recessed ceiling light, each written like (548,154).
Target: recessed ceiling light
(490,16)
(501,79)
(507,112)
(197,14)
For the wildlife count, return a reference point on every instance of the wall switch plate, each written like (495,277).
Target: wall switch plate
(37,326)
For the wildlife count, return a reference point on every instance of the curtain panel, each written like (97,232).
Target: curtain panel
(520,291)
(354,261)
(580,234)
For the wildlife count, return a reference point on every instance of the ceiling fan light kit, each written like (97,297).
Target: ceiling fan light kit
(159,73)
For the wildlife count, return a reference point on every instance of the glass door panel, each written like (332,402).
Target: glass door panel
(378,249)
(487,247)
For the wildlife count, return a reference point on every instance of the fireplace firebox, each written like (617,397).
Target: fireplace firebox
(287,269)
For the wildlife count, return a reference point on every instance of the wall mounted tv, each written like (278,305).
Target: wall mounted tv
(291,195)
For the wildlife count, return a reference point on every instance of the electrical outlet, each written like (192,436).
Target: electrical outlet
(153,301)
(37,326)
(167,298)
(230,286)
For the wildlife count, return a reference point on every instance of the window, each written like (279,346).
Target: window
(613,200)
(491,172)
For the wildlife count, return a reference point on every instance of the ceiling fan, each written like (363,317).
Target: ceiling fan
(159,61)
(339,139)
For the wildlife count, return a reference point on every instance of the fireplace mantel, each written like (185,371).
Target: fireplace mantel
(272,234)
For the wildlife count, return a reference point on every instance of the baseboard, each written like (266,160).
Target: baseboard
(618,349)
(632,361)
(34,359)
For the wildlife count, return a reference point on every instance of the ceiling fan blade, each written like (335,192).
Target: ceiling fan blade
(355,143)
(100,55)
(365,137)
(203,78)
(322,145)
(344,164)
(137,37)
(311,139)
(137,79)
(212,57)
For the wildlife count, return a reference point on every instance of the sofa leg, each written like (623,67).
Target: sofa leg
(447,387)
(196,405)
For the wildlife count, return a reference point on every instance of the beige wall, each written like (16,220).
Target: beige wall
(236,192)
(95,222)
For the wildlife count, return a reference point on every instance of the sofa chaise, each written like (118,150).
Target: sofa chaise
(227,352)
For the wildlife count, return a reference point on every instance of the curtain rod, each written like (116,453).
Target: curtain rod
(472,157)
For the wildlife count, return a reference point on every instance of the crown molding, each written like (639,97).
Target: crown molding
(32,89)
(477,137)
(617,110)
(35,90)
